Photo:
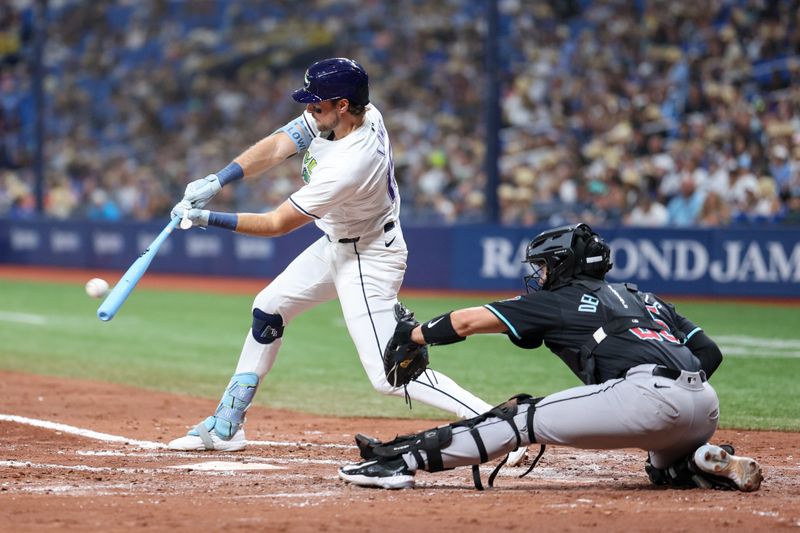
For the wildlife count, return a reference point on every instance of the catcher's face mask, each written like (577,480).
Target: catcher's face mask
(538,277)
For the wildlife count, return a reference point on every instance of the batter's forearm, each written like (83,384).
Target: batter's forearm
(278,222)
(265,154)
(262,225)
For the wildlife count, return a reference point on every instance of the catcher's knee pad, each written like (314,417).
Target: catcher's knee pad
(266,327)
(235,402)
(431,442)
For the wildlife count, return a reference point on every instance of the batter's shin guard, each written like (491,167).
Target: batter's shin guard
(231,410)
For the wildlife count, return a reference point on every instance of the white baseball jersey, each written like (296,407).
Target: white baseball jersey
(350,189)
(351,194)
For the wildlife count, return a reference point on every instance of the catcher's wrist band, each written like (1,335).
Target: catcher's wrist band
(230,173)
(439,330)
(223,220)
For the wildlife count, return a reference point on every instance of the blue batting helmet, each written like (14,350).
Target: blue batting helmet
(334,78)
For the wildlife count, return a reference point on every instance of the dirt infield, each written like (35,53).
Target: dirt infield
(61,477)
(89,456)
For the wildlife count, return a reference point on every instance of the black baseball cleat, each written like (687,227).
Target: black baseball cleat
(722,469)
(383,473)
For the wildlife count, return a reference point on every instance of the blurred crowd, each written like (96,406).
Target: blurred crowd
(673,113)
(613,112)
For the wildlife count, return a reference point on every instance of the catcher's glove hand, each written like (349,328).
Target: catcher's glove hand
(403,359)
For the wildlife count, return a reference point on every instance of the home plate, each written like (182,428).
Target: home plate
(223,466)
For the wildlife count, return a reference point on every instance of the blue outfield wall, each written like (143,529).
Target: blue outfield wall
(731,261)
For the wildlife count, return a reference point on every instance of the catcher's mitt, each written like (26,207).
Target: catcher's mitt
(403,359)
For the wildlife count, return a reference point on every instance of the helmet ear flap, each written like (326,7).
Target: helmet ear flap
(596,259)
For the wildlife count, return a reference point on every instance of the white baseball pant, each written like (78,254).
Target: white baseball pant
(366,276)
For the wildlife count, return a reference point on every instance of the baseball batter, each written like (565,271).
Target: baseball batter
(644,369)
(351,194)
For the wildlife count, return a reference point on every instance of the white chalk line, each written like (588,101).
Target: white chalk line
(80,468)
(224,466)
(81,432)
(759,342)
(106,437)
(295,444)
(183,455)
(323,494)
(22,318)
(755,353)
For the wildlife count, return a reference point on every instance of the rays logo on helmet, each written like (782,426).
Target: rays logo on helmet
(306,81)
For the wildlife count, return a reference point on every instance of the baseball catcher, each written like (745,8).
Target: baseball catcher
(644,369)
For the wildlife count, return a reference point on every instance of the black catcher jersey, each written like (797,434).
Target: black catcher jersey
(600,329)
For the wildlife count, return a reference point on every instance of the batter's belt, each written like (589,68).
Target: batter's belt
(389,226)
(671,373)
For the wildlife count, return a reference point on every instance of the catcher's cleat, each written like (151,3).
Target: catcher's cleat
(722,469)
(201,439)
(728,448)
(383,473)
(516,457)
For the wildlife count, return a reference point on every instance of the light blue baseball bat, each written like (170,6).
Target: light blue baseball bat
(128,281)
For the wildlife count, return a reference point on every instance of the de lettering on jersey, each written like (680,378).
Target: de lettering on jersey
(309,163)
(588,304)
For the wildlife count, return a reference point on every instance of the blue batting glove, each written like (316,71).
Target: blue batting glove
(199,192)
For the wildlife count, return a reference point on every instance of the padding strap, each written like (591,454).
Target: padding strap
(529,418)
(204,435)
(241,392)
(431,442)
(479,443)
(505,411)
(535,460)
(231,414)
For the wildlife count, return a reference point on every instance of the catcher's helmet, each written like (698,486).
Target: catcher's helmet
(334,78)
(567,252)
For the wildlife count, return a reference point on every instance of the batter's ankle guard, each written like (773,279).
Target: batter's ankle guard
(235,402)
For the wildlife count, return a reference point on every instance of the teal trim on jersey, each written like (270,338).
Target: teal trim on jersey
(689,336)
(503,319)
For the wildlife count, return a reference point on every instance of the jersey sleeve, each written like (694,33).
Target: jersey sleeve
(527,317)
(301,131)
(683,324)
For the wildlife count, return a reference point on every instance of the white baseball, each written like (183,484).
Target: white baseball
(96,287)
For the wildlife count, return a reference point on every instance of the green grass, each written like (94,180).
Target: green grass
(172,341)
